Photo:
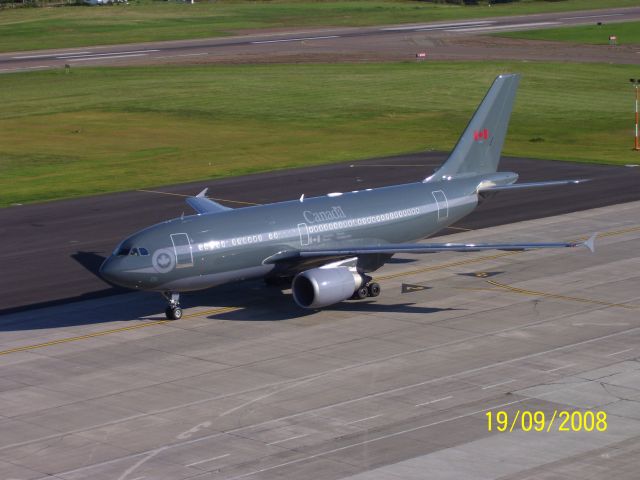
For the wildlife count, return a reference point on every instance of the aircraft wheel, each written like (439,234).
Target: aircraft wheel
(373,289)
(173,313)
(360,293)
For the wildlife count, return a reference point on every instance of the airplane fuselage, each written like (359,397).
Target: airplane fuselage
(202,251)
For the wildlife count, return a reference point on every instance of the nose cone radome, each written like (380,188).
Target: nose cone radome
(110,272)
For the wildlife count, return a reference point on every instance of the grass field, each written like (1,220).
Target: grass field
(627,33)
(99,130)
(141,21)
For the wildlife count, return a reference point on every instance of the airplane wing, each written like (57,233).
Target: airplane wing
(201,204)
(390,249)
(522,186)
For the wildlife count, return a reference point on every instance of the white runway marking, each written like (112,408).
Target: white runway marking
(363,419)
(435,27)
(50,55)
(594,16)
(208,460)
(287,439)
(486,387)
(434,401)
(295,39)
(621,351)
(560,368)
(89,54)
(503,27)
(106,58)
(192,54)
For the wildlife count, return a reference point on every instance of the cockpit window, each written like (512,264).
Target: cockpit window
(123,252)
(143,251)
(134,252)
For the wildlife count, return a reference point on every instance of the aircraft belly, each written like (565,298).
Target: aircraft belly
(208,280)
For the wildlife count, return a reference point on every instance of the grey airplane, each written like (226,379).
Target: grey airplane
(327,246)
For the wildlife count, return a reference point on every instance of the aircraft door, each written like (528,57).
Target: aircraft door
(182,249)
(303,230)
(442,203)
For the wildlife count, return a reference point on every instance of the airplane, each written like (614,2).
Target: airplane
(327,246)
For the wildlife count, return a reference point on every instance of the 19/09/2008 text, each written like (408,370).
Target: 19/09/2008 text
(539,421)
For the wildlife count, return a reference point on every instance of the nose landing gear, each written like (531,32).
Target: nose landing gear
(173,310)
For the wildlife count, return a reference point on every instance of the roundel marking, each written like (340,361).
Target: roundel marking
(163,260)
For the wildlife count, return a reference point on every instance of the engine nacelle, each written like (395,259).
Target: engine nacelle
(320,287)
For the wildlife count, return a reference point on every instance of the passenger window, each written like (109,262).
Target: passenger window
(143,251)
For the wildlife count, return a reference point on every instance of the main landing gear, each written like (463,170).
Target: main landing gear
(173,310)
(367,289)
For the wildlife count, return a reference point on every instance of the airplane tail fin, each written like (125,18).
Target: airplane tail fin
(478,149)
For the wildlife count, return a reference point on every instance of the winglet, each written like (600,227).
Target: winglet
(591,243)
(201,204)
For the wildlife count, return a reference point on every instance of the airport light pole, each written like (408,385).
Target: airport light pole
(636,83)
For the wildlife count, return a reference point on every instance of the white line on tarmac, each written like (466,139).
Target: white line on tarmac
(618,353)
(208,460)
(295,39)
(486,387)
(442,25)
(594,16)
(363,419)
(503,27)
(50,55)
(71,55)
(84,59)
(287,439)
(560,368)
(434,401)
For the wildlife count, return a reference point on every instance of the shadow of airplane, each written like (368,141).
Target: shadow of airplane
(91,261)
(284,309)
(251,301)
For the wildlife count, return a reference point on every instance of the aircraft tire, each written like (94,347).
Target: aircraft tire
(360,293)
(173,313)
(373,289)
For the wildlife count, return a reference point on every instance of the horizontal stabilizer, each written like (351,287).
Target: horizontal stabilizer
(523,186)
(201,204)
(591,243)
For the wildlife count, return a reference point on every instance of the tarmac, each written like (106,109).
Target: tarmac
(247,385)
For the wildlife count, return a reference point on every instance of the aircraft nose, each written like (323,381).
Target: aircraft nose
(109,271)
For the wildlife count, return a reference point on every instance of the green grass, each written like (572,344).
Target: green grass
(106,129)
(38,28)
(627,33)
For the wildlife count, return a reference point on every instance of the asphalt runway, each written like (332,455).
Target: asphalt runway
(249,386)
(442,40)
(50,252)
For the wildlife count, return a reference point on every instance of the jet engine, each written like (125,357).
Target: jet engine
(320,287)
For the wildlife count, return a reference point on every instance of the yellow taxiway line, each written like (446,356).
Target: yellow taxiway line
(210,198)
(558,296)
(113,330)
